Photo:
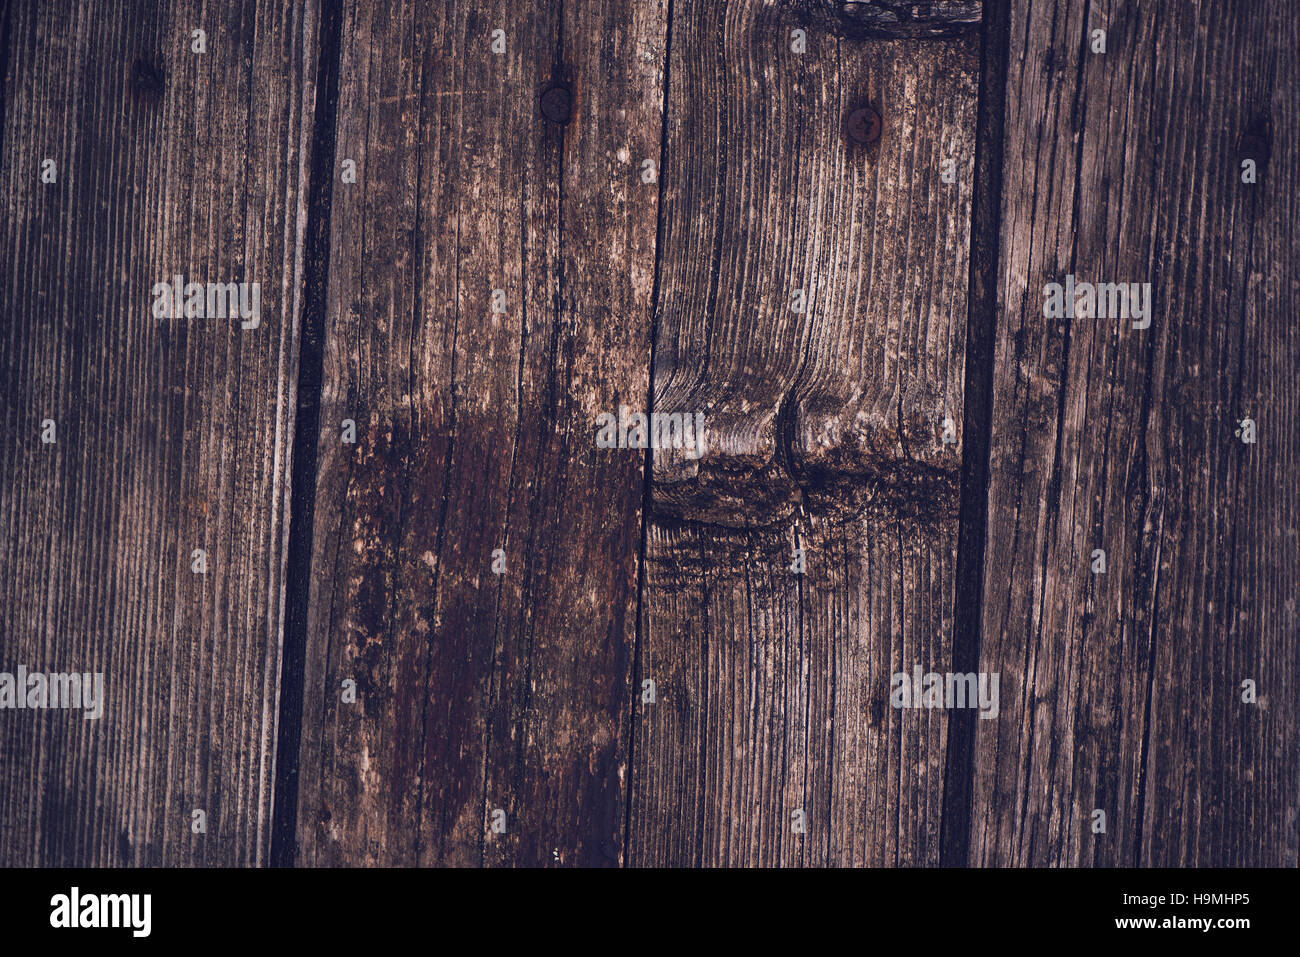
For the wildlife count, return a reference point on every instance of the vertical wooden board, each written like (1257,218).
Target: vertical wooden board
(476,431)
(558,747)
(172,434)
(1259,821)
(431,118)
(824,426)
(358,785)
(1121,690)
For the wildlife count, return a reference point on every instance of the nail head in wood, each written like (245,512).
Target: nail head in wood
(557,104)
(863,125)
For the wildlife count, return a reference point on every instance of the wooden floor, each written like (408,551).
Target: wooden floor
(435,623)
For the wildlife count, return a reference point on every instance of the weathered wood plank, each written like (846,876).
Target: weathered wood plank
(825,426)
(1122,691)
(171,434)
(478,691)
(475,429)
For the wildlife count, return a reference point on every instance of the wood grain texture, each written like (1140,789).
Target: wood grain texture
(521,692)
(825,428)
(476,431)
(1122,691)
(172,434)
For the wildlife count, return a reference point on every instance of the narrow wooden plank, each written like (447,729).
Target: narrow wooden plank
(171,434)
(1122,691)
(825,427)
(479,692)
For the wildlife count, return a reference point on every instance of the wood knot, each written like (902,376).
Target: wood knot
(147,79)
(838,460)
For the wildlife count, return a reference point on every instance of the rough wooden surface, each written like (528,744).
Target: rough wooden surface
(1122,691)
(172,434)
(825,427)
(476,431)
(859,19)
(525,692)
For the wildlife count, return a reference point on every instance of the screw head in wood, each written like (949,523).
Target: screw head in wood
(863,125)
(557,104)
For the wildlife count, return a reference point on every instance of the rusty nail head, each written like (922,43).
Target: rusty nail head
(863,125)
(557,104)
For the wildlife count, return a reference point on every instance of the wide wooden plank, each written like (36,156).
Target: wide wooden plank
(1122,691)
(170,434)
(825,429)
(480,692)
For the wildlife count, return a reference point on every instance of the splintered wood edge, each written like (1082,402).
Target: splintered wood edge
(885,19)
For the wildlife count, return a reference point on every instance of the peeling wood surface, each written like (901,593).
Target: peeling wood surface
(172,434)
